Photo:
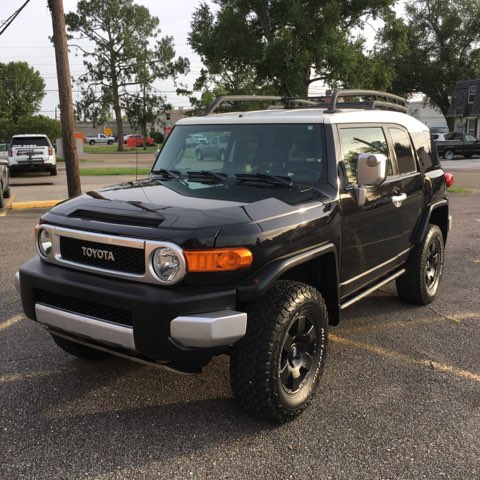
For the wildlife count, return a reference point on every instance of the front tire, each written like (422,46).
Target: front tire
(199,155)
(275,368)
(79,350)
(424,269)
(448,154)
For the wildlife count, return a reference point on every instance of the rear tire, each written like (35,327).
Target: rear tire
(92,142)
(276,366)
(424,269)
(199,155)
(448,154)
(78,350)
(53,171)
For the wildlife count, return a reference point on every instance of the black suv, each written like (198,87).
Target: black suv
(253,253)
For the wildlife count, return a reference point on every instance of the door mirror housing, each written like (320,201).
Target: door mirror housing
(371,171)
(372,168)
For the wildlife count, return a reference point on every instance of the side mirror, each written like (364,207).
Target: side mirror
(371,170)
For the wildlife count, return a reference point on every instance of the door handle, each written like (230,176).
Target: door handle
(398,199)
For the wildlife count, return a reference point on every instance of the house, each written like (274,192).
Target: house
(465,107)
(430,115)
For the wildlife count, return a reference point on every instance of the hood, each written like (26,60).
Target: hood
(149,203)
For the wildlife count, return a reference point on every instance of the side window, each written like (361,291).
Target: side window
(358,140)
(403,151)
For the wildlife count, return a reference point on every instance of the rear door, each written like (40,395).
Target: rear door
(376,234)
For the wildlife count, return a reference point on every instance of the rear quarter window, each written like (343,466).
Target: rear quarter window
(403,151)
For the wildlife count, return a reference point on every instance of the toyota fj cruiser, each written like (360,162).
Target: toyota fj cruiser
(253,253)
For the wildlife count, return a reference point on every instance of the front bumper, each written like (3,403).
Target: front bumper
(161,323)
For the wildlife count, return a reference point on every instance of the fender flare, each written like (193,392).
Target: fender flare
(421,228)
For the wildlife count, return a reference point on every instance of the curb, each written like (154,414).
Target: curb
(36,204)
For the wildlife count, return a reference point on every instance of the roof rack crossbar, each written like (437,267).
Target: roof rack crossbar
(240,98)
(375,95)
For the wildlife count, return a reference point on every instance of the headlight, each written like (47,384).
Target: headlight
(169,265)
(44,242)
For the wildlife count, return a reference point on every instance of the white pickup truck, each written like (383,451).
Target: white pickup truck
(100,138)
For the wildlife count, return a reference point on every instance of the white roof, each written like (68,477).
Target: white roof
(308,115)
(30,135)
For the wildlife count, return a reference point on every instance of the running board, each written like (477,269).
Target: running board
(372,289)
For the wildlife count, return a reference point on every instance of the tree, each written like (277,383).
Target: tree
(282,46)
(436,44)
(22,89)
(126,53)
(30,124)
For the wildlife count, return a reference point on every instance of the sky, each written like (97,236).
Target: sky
(27,39)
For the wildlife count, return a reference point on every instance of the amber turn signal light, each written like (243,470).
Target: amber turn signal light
(218,259)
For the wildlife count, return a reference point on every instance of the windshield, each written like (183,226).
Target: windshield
(291,150)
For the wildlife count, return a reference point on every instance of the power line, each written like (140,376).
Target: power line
(10,20)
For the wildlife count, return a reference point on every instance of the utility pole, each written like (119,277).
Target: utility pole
(65,94)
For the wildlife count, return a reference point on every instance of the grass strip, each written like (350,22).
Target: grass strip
(459,190)
(113,149)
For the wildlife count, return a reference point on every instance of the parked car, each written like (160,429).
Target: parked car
(31,153)
(438,136)
(256,257)
(3,151)
(136,140)
(100,138)
(213,147)
(195,139)
(4,179)
(458,143)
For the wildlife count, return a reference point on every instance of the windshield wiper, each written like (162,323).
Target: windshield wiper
(268,179)
(167,173)
(207,175)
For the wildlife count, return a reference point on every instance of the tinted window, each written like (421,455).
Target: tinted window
(30,141)
(403,151)
(294,150)
(362,140)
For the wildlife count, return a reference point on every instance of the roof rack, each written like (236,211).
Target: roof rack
(372,100)
(240,98)
(376,100)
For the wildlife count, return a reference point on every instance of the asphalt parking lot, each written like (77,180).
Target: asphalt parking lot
(399,399)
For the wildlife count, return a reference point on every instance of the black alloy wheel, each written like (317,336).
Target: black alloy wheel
(298,353)
(423,269)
